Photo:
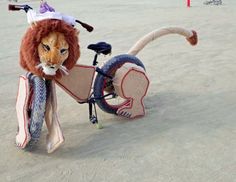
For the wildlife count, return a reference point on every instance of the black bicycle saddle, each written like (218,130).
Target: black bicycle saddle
(100,47)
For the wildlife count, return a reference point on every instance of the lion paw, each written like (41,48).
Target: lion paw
(131,110)
(22,138)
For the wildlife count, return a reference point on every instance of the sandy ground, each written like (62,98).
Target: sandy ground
(189,131)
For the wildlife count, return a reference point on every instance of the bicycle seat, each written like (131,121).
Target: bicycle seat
(100,47)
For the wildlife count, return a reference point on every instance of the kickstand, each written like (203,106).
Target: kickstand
(93,116)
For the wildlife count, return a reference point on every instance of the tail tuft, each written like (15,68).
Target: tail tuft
(193,39)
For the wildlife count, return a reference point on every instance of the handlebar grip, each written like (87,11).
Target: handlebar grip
(88,27)
(12,7)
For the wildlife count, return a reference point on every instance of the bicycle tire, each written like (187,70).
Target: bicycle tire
(38,104)
(103,84)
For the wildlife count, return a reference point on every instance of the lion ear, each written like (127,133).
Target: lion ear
(77,32)
(33,24)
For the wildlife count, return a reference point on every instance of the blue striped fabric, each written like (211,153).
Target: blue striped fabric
(38,105)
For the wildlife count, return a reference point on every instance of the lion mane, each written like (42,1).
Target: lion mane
(29,58)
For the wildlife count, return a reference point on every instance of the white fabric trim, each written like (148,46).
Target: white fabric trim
(33,16)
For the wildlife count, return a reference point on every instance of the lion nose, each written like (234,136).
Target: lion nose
(50,65)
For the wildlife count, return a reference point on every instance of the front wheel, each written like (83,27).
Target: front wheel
(104,92)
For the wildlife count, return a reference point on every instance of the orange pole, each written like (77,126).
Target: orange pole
(188,3)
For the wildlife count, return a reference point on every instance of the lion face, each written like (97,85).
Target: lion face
(53,50)
(49,49)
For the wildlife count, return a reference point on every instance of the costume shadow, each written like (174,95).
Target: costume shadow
(165,111)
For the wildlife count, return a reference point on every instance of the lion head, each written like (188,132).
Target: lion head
(49,48)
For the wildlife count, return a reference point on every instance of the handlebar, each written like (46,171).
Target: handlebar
(13,7)
(26,8)
(88,27)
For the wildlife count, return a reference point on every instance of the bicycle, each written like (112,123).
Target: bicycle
(118,87)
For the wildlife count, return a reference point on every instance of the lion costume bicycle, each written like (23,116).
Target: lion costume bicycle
(49,52)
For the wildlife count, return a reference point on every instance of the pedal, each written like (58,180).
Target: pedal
(93,117)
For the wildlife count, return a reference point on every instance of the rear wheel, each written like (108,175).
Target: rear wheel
(103,86)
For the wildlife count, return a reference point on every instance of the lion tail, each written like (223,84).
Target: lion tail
(190,35)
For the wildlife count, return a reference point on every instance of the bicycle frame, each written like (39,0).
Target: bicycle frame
(79,85)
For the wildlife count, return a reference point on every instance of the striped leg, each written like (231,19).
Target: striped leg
(38,105)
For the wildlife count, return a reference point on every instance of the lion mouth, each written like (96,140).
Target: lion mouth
(51,70)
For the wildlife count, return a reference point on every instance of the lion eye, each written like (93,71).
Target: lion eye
(63,51)
(46,47)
